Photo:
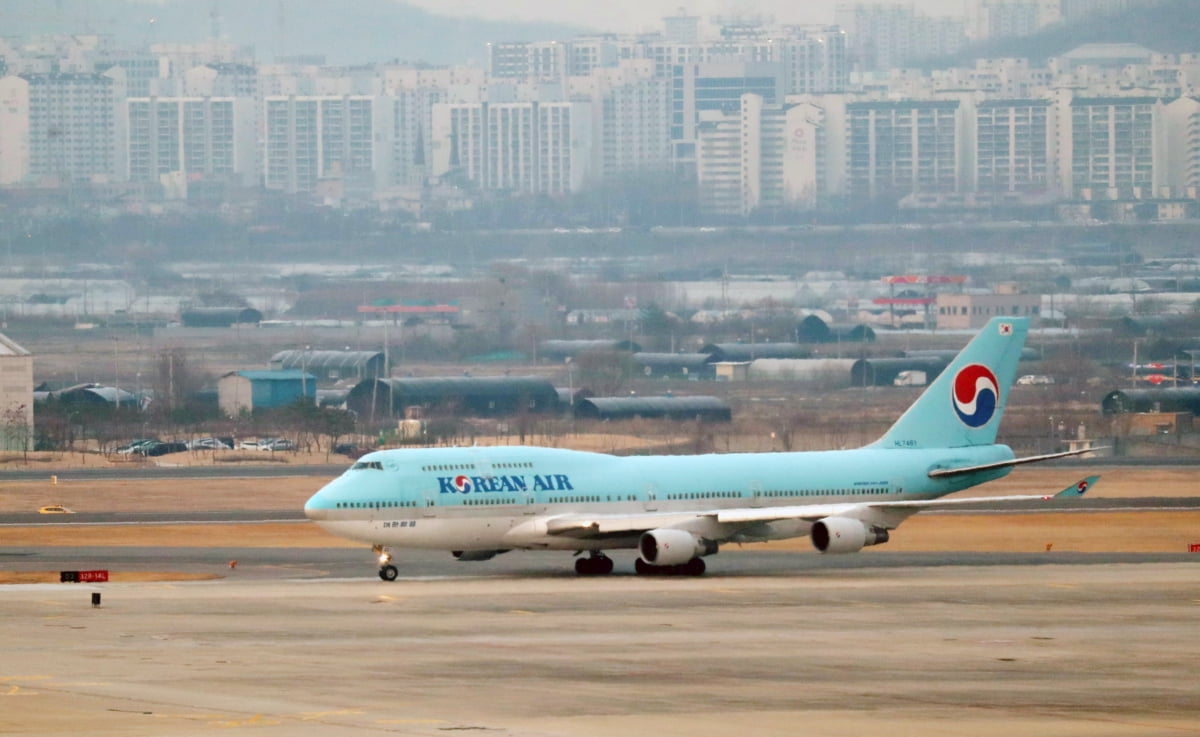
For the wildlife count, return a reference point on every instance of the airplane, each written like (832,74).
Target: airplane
(478,502)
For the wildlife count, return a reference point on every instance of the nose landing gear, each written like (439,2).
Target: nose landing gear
(387,571)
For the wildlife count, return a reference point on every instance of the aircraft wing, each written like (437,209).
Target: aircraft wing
(895,511)
(939,473)
(886,514)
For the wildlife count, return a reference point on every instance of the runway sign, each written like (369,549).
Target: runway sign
(82,576)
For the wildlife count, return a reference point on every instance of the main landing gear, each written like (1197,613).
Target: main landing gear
(694,567)
(596,564)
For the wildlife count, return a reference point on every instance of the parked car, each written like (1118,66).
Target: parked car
(350,450)
(135,445)
(1028,379)
(211,444)
(162,449)
(249,445)
(277,444)
(54,509)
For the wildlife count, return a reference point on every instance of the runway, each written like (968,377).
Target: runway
(306,642)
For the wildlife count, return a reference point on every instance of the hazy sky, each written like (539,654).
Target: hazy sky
(643,15)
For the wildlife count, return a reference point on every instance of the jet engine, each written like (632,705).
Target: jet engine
(476,555)
(845,535)
(665,547)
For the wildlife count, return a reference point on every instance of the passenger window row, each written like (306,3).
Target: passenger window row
(374,505)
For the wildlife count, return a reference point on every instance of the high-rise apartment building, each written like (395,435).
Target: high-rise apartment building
(902,147)
(1014,144)
(195,138)
(525,147)
(1011,18)
(635,122)
(1117,146)
(761,157)
(313,138)
(61,127)
(887,36)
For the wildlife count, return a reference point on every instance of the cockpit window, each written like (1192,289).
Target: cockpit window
(362,465)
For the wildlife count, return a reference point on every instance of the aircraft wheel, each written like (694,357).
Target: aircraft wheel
(388,572)
(596,565)
(694,567)
(643,568)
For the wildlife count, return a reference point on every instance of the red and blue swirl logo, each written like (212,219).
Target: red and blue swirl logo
(975,394)
(463,484)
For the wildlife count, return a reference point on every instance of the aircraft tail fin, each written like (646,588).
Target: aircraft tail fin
(964,404)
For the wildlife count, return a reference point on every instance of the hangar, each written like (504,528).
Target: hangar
(883,371)
(333,365)
(678,365)
(813,329)
(480,396)
(708,409)
(560,349)
(726,352)
(1165,399)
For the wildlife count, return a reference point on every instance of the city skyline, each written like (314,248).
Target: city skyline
(631,16)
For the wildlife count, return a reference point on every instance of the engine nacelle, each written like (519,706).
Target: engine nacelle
(673,547)
(476,555)
(845,535)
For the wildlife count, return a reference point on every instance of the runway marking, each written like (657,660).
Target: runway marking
(410,721)
(19,691)
(309,716)
(26,678)
(522,611)
(255,721)
(1062,585)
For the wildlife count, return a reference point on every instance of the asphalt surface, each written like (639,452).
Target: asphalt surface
(308,643)
(350,563)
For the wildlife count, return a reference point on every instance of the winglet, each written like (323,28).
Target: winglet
(1078,489)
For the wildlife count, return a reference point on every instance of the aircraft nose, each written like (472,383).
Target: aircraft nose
(314,509)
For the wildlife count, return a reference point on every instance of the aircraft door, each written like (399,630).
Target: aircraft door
(428,502)
(651,503)
(529,502)
(756,494)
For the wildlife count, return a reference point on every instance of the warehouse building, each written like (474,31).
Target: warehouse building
(248,391)
(470,396)
(333,365)
(16,396)
(705,409)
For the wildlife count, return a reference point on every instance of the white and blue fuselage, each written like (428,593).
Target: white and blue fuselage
(480,501)
(493,498)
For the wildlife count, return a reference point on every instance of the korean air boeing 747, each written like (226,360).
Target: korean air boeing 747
(478,502)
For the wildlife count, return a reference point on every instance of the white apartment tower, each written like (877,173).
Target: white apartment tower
(897,148)
(346,137)
(16,396)
(61,127)
(1014,146)
(1117,145)
(635,124)
(525,147)
(1012,18)
(193,138)
(760,157)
